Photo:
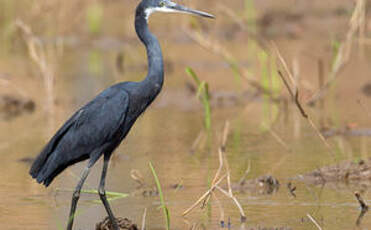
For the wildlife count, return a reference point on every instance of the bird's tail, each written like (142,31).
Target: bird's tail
(48,165)
(38,164)
(43,168)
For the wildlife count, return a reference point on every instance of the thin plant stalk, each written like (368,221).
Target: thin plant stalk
(163,205)
(203,94)
(356,23)
(38,54)
(144,219)
(314,221)
(215,183)
(294,93)
(205,195)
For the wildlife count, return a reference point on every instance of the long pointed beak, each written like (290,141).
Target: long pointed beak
(183,9)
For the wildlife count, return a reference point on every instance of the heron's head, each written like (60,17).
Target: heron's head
(151,6)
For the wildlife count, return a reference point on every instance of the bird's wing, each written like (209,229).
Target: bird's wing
(97,122)
(90,129)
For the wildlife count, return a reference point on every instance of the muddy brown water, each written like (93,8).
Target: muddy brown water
(165,133)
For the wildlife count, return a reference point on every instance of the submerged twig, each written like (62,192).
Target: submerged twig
(362,203)
(291,189)
(363,206)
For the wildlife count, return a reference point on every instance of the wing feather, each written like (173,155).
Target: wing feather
(90,128)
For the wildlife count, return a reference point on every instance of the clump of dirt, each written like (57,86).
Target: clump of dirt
(124,223)
(263,185)
(348,171)
(13,106)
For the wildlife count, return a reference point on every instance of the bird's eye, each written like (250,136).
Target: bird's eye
(162,4)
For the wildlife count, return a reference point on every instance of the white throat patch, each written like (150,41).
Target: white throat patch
(149,11)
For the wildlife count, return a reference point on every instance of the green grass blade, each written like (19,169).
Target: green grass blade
(163,205)
(207,108)
(203,94)
(191,73)
(108,193)
(94,191)
(265,82)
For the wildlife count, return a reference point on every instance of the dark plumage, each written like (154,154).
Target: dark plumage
(99,127)
(94,129)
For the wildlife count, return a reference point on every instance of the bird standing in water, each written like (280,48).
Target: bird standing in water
(100,126)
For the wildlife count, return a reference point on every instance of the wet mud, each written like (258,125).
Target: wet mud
(263,185)
(345,172)
(123,223)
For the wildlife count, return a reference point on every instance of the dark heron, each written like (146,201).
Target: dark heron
(99,127)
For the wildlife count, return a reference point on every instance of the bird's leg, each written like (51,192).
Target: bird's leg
(76,195)
(102,192)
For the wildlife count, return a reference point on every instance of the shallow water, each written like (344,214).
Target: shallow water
(165,133)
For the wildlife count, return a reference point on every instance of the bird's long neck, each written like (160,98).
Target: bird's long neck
(155,76)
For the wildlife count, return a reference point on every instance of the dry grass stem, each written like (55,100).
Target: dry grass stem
(242,24)
(144,219)
(221,150)
(192,226)
(232,14)
(294,93)
(230,195)
(356,23)
(225,135)
(314,221)
(203,196)
(37,52)
(223,162)
(219,204)
(219,50)
(285,66)
(247,171)
(228,175)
